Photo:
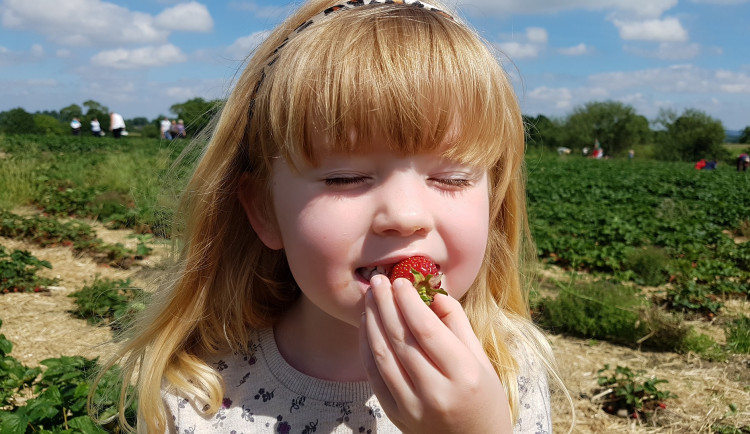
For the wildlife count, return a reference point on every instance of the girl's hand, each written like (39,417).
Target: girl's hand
(425,364)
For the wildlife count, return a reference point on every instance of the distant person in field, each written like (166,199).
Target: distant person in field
(743,161)
(598,152)
(563,151)
(181,129)
(116,124)
(96,128)
(164,127)
(700,164)
(174,131)
(631,154)
(75,126)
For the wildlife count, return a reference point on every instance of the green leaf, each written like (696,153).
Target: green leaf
(84,424)
(13,423)
(6,346)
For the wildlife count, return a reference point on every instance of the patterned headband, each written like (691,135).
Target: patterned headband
(351,4)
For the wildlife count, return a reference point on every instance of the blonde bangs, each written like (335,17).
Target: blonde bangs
(415,78)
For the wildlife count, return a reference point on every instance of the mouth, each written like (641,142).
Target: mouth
(368,273)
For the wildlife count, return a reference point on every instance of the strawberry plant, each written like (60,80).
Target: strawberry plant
(14,376)
(47,231)
(625,389)
(55,398)
(18,272)
(43,231)
(113,302)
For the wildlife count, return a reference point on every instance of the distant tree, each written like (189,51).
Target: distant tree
(17,121)
(617,127)
(72,111)
(543,131)
(137,123)
(196,113)
(94,108)
(691,136)
(49,126)
(54,113)
(744,136)
(98,111)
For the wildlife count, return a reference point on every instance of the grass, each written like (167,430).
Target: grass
(738,335)
(18,183)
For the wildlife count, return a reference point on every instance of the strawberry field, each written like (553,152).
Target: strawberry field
(643,280)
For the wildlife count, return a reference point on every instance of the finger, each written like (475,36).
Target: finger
(378,385)
(452,314)
(387,363)
(401,340)
(445,336)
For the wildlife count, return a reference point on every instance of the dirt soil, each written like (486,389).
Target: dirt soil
(40,326)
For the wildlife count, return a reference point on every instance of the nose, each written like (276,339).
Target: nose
(403,206)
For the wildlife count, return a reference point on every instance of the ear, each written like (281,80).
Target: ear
(261,220)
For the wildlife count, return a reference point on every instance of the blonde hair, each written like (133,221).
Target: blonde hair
(420,78)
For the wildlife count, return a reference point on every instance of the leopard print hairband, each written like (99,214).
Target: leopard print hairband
(351,4)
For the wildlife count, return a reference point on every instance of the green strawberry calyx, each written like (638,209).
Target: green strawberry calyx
(427,286)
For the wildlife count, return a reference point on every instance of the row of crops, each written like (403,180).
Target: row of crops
(650,222)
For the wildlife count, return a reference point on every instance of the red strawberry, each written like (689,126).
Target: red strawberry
(422,273)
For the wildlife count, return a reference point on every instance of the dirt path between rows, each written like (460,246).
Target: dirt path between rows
(40,326)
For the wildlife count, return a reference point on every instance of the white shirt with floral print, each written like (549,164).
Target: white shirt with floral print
(265,395)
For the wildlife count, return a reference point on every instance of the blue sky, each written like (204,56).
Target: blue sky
(139,57)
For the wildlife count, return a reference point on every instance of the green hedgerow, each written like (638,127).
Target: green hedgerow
(599,310)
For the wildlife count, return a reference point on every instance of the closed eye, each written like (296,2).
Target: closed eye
(345,180)
(454,182)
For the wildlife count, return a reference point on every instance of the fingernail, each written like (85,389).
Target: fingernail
(377,279)
(399,283)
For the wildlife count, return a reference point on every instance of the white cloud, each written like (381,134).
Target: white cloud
(678,79)
(667,51)
(667,29)
(63,53)
(139,58)
(189,17)
(640,8)
(517,50)
(180,93)
(536,35)
(241,47)
(576,50)
(529,45)
(560,98)
(82,22)
(37,50)
(8,57)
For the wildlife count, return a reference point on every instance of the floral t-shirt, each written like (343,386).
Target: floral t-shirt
(264,394)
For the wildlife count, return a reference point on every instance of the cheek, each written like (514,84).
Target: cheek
(467,244)
(316,235)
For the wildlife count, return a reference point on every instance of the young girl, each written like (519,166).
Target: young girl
(360,134)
